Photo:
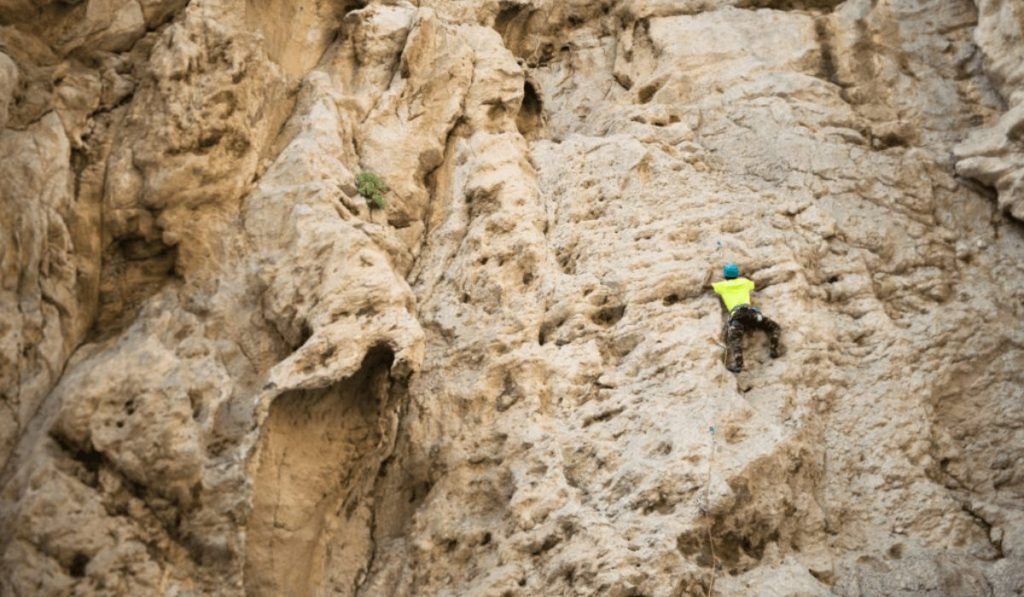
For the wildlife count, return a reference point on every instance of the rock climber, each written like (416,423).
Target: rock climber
(735,293)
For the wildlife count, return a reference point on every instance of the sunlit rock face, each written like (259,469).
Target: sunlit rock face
(222,372)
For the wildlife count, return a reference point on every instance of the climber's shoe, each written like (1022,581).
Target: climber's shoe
(775,352)
(735,367)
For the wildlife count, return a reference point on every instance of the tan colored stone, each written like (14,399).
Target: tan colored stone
(8,83)
(223,372)
(994,155)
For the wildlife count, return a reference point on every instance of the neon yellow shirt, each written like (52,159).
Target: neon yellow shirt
(734,292)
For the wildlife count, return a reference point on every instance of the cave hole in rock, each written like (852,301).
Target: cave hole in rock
(529,119)
(78,564)
(512,24)
(888,140)
(348,6)
(134,268)
(506,16)
(646,93)
(318,458)
(548,328)
(90,460)
(895,552)
(610,315)
(305,333)
(827,68)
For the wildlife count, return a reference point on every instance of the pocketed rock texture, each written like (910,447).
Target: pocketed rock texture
(222,373)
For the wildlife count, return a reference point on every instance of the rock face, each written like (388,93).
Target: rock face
(992,155)
(221,372)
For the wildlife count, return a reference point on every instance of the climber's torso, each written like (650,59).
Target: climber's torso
(734,292)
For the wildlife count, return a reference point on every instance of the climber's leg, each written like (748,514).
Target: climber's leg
(734,345)
(774,331)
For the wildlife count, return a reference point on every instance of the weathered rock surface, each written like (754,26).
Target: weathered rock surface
(992,155)
(222,373)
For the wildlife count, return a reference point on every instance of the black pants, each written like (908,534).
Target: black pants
(746,318)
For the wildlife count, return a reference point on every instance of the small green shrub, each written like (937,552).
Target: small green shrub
(372,188)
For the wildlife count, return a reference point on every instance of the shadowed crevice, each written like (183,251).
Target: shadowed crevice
(529,121)
(318,457)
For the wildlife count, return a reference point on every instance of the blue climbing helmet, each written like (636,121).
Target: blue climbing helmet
(730,271)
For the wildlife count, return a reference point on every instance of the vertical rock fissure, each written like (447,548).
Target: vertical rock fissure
(311,523)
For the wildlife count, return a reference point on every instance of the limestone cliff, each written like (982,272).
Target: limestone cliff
(222,373)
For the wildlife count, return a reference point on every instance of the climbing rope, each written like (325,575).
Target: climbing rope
(712,449)
(707,506)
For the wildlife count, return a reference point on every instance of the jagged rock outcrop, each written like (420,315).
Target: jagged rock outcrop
(222,372)
(992,155)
